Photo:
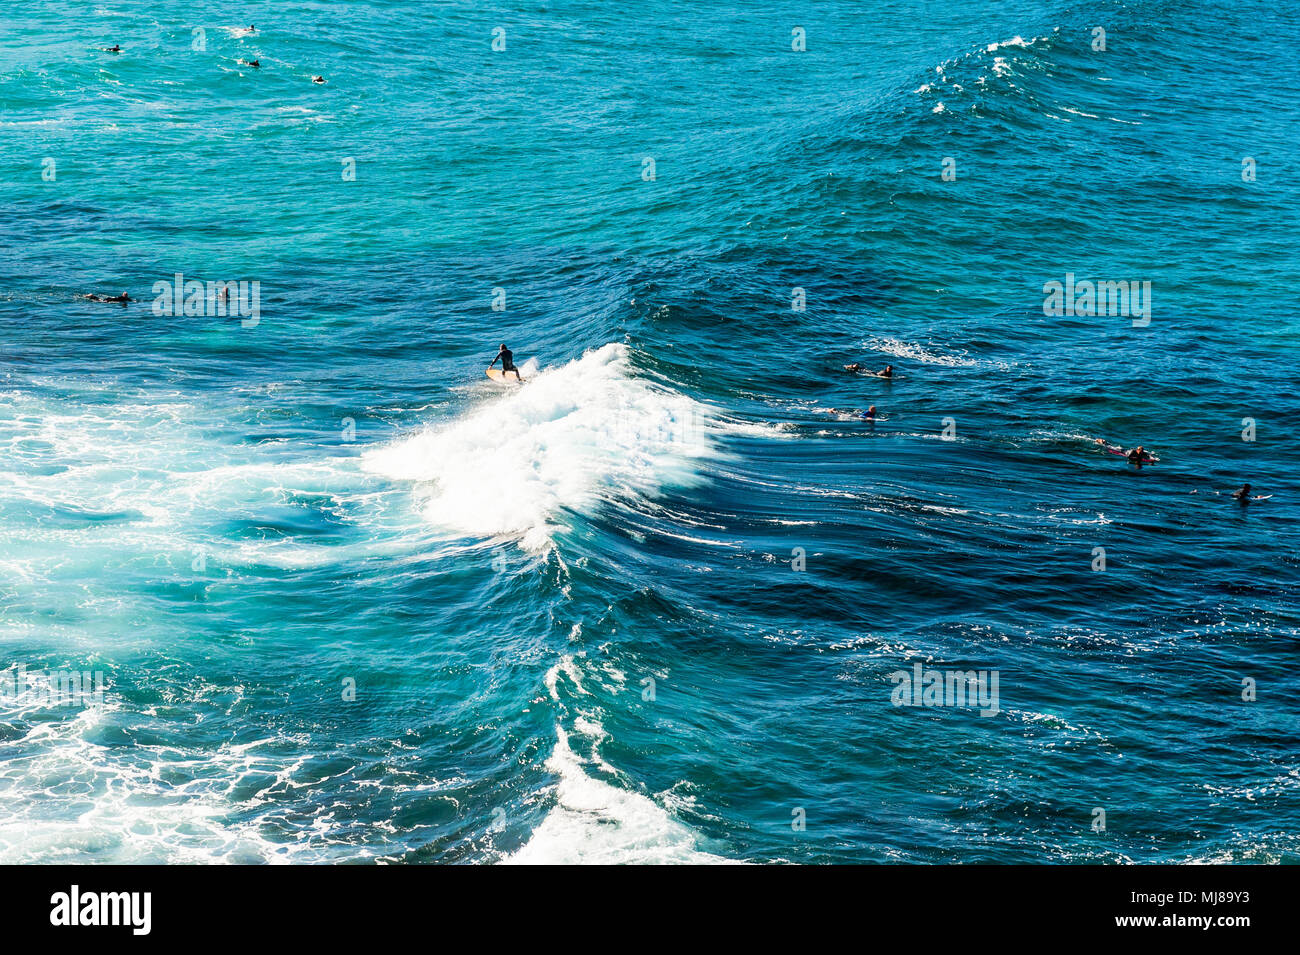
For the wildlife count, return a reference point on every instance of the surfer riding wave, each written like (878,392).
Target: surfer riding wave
(506,357)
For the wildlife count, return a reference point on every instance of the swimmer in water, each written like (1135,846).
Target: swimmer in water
(1136,456)
(886,372)
(870,414)
(318,79)
(96,297)
(115,48)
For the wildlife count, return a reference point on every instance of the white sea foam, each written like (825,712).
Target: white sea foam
(566,440)
(597,822)
(926,355)
(594,822)
(145,480)
(1017,41)
(69,799)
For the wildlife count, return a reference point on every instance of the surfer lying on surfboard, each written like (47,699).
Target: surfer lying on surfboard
(856,368)
(1243,495)
(1136,456)
(846,414)
(507,359)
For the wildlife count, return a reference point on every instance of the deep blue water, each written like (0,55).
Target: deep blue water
(572,610)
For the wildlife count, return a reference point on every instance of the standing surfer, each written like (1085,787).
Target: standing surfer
(507,359)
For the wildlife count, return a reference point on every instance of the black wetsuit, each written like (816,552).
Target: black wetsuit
(507,361)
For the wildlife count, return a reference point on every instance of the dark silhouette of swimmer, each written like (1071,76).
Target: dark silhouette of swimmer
(1243,494)
(115,48)
(507,359)
(318,79)
(887,373)
(96,297)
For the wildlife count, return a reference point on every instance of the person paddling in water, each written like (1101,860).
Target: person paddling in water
(507,359)
(1136,456)
(97,297)
(1243,495)
(856,368)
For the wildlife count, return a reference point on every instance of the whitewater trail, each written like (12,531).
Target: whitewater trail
(594,821)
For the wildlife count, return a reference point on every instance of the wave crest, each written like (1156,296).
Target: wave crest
(570,438)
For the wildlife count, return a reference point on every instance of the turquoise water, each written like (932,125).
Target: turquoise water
(570,609)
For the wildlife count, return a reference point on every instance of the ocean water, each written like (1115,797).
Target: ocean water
(649,606)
